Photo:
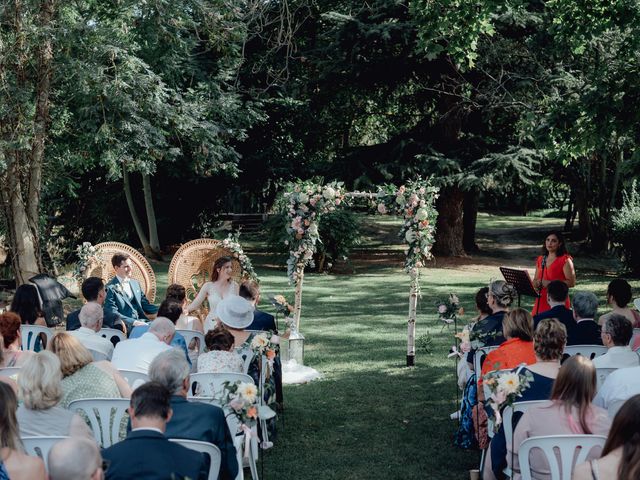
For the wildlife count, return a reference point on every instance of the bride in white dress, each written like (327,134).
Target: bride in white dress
(221,286)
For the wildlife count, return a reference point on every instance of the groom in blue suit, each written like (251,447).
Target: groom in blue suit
(124,295)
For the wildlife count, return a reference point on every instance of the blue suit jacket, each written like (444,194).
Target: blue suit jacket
(149,455)
(263,321)
(129,310)
(562,314)
(178,339)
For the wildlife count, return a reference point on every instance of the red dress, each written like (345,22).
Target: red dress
(553,271)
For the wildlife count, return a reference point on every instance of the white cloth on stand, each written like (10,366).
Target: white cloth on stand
(294,373)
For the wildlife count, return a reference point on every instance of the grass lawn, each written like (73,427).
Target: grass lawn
(370,417)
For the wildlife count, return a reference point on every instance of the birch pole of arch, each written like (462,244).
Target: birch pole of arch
(411,323)
(297,308)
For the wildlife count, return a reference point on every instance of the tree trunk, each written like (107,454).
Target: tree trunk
(134,216)
(154,242)
(469,219)
(449,226)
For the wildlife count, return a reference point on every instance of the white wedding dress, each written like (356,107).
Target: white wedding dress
(210,292)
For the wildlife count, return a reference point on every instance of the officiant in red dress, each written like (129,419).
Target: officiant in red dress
(555,263)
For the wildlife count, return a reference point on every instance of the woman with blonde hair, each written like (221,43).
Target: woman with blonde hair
(517,328)
(570,412)
(81,376)
(40,389)
(16,462)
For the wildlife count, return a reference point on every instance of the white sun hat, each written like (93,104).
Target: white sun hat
(235,312)
(636,302)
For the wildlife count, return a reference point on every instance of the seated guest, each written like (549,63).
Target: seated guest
(557,293)
(18,465)
(6,380)
(617,388)
(172,310)
(618,296)
(75,459)
(193,420)
(221,356)
(26,304)
(40,389)
(517,328)
(570,412)
(93,292)
(549,340)
(586,331)
(616,335)
(81,376)
(124,295)
(12,343)
(137,353)
(146,453)
(489,330)
(621,453)
(236,314)
(250,291)
(91,322)
(185,322)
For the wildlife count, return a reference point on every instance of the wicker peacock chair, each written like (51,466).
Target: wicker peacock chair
(192,265)
(142,271)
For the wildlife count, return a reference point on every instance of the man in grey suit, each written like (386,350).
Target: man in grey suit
(193,420)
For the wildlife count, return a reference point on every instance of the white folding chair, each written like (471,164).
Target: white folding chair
(560,453)
(9,371)
(209,385)
(247,357)
(239,441)
(196,337)
(478,358)
(215,457)
(113,335)
(105,416)
(133,378)
(40,446)
(507,423)
(589,351)
(613,407)
(30,335)
(602,374)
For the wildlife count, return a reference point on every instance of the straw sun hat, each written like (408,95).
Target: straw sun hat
(235,312)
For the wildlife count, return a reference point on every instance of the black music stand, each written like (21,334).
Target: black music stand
(521,281)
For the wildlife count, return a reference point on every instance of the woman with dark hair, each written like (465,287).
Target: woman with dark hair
(621,453)
(221,355)
(570,412)
(555,263)
(26,304)
(618,296)
(221,286)
(178,293)
(13,459)
(482,305)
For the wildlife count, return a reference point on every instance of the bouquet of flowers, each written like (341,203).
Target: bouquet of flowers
(87,254)
(281,305)
(505,388)
(242,399)
(267,344)
(449,309)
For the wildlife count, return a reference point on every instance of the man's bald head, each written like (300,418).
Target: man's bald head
(75,458)
(163,328)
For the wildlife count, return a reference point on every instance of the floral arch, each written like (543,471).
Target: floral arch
(306,202)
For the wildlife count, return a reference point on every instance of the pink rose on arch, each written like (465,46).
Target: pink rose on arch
(382,209)
(313,201)
(442,309)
